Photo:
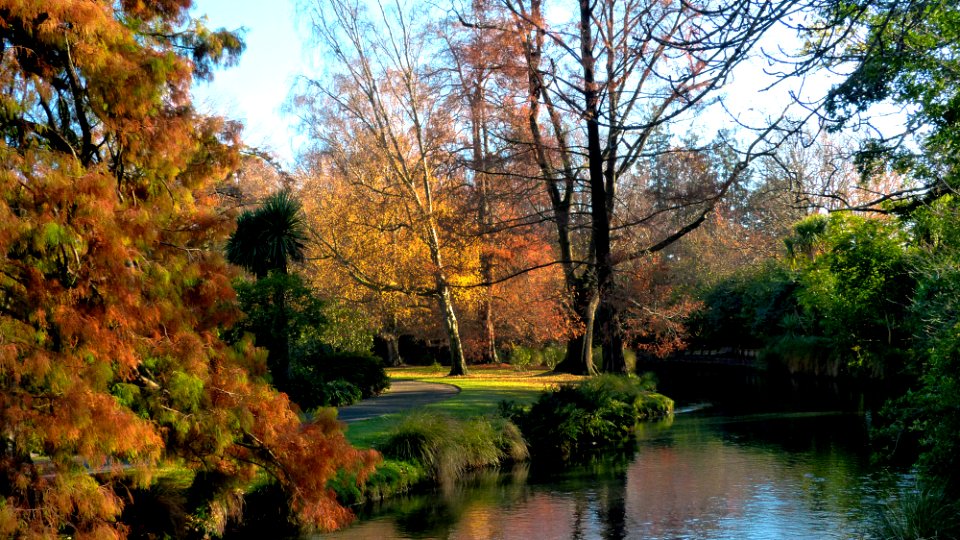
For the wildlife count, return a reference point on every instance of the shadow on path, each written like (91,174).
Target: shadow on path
(402,396)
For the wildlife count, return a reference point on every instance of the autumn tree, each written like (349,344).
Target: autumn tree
(601,87)
(258,177)
(383,107)
(486,79)
(114,290)
(363,258)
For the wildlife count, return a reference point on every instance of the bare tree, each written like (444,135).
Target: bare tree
(600,88)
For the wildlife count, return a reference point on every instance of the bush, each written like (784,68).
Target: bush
(447,447)
(600,414)
(338,393)
(553,355)
(520,357)
(629,357)
(330,378)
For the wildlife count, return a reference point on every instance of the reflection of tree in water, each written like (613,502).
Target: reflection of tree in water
(579,508)
(452,507)
(612,509)
(429,518)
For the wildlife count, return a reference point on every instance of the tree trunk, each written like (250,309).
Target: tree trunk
(484,219)
(609,322)
(278,358)
(489,354)
(392,341)
(458,364)
(579,357)
(601,196)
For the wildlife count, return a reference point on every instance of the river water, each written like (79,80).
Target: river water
(712,472)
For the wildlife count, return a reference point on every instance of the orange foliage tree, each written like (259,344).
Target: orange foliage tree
(365,255)
(113,288)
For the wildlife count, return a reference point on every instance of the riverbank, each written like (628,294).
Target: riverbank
(439,441)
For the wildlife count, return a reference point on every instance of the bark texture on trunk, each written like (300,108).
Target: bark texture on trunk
(392,341)
(579,357)
(458,364)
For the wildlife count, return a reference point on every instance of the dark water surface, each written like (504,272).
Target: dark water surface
(717,472)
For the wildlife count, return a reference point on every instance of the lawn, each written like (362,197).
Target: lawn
(480,392)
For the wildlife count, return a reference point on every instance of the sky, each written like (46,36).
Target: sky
(255,90)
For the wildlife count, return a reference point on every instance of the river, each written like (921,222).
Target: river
(711,472)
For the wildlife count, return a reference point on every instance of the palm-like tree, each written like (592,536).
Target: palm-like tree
(270,237)
(267,240)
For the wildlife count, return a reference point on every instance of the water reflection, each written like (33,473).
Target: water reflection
(702,477)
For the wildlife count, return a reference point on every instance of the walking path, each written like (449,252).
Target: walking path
(402,396)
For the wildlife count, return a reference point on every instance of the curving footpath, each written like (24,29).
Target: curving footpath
(402,396)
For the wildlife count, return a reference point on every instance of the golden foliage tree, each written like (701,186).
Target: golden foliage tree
(383,127)
(113,288)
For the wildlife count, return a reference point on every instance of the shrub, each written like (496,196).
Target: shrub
(338,393)
(393,477)
(629,357)
(553,355)
(599,414)
(336,378)
(520,357)
(447,447)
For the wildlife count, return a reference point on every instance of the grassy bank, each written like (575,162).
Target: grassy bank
(480,394)
(570,415)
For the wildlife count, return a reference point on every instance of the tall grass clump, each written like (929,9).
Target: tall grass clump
(446,447)
(602,413)
(924,512)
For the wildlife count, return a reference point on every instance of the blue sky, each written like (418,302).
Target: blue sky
(255,91)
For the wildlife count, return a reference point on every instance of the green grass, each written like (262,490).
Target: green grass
(480,393)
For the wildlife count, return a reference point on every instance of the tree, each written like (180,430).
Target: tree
(271,237)
(383,108)
(353,264)
(904,54)
(267,240)
(113,291)
(907,54)
(485,78)
(600,91)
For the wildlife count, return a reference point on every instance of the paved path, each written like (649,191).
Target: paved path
(402,396)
